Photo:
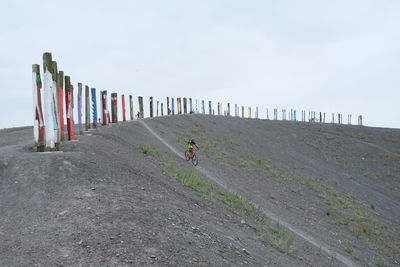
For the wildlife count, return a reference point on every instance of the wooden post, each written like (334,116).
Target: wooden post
(60,98)
(249,112)
(219,109)
(173,106)
(123,108)
(168,109)
(242,112)
(49,115)
(94,108)
(56,97)
(104,108)
(114,107)
(256,113)
(69,108)
(190,105)
(80,126)
(131,107)
(87,109)
(324,118)
(184,105)
(158,105)
(209,108)
(151,106)
(203,107)
(141,113)
(197,105)
(162,109)
(228,113)
(38,120)
(360,122)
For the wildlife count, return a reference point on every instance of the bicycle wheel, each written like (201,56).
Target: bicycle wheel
(187,155)
(194,160)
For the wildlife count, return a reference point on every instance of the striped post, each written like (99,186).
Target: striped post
(172,106)
(80,127)
(87,109)
(69,108)
(94,108)
(141,113)
(209,108)
(49,106)
(168,109)
(123,108)
(114,107)
(131,107)
(203,107)
(184,105)
(38,120)
(151,106)
(60,95)
(190,105)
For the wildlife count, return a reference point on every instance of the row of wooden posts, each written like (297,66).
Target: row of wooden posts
(58,92)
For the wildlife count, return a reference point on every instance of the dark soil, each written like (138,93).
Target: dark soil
(103,202)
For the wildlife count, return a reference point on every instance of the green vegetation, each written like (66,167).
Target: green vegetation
(243,164)
(149,150)
(379,262)
(349,250)
(282,240)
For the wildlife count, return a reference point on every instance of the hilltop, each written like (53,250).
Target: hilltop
(120,196)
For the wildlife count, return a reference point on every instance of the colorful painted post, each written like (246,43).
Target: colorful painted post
(168,110)
(69,108)
(60,95)
(56,98)
(131,107)
(80,127)
(38,120)
(49,106)
(172,106)
(203,107)
(87,109)
(190,105)
(123,108)
(141,113)
(104,108)
(184,105)
(151,106)
(294,115)
(162,109)
(197,106)
(94,108)
(209,108)
(114,107)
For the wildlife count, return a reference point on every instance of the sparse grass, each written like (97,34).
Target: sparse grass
(149,150)
(349,250)
(307,181)
(328,213)
(379,262)
(343,203)
(198,131)
(281,239)
(258,161)
(243,164)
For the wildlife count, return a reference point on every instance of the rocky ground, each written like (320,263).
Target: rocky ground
(115,197)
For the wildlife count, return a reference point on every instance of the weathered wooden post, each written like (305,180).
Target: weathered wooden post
(168,109)
(294,115)
(360,122)
(249,112)
(349,119)
(69,108)
(324,118)
(178,105)
(209,108)
(131,107)
(60,95)
(123,108)
(256,113)
(228,112)
(94,108)
(242,112)
(158,104)
(162,109)
(196,106)
(80,127)
(173,106)
(141,113)
(283,114)
(219,109)
(203,107)
(38,120)
(104,108)
(56,98)
(190,105)
(87,109)
(333,117)
(184,105)
(114,107)
(151,106)
(320,116)
(49,106)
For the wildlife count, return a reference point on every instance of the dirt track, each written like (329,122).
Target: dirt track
(103,202)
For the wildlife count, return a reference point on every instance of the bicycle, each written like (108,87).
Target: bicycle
(191,155)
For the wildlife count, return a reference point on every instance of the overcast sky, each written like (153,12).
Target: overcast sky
(328,56)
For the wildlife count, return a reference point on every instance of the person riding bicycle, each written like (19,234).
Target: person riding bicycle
(190,145)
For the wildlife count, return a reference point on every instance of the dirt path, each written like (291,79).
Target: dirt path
(310,239)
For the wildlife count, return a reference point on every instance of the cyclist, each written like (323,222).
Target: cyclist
(190,145)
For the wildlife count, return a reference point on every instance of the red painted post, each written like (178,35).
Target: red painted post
(123,108)
(38,125)
(68,107)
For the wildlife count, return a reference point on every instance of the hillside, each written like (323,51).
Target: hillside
(119,196)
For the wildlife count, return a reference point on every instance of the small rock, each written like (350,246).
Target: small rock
(152,256)
(245,251)
(93,188)
(242,221)
(63,212)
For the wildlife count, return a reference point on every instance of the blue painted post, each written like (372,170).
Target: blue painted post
(94,107)
(294,115)
(203,107)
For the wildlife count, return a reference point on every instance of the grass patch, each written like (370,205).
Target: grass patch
(307,181)
(243,164)
(149,150)
(281,239)
(379,262)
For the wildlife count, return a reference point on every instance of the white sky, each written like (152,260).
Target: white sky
(329,56)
